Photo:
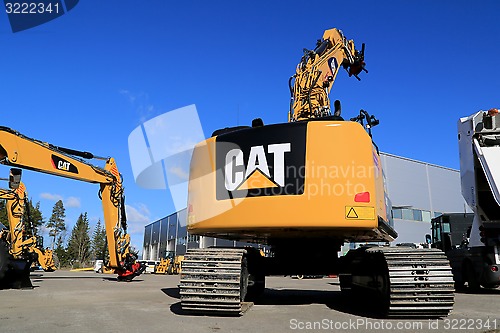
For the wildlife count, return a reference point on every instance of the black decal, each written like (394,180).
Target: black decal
(261,161)
(63,165)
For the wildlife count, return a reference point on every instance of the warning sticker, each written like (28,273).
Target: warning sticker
(360,213)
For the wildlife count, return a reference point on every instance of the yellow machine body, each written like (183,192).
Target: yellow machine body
(332,186)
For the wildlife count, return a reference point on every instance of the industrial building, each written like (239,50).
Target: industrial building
(418,191)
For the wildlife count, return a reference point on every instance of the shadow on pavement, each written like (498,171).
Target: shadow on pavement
(116,280)
(67,277)
(172,292)
(332,299)
(482,291)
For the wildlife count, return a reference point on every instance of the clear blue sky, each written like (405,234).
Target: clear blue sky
(88,78)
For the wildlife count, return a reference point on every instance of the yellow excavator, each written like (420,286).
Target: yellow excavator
(23,246)
(19,151)
(304,188)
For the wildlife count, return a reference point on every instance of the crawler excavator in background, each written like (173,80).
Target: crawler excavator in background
(15,260)
(19,151)
(22,246)
(312,183)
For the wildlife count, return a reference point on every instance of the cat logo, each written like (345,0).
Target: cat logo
(258,162)
(257,174)
(63,165)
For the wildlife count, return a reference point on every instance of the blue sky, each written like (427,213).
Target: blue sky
(88,78)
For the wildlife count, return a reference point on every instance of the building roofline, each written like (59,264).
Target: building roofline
(167,216)
(421,162)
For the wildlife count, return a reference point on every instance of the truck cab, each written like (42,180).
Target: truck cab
(474,266)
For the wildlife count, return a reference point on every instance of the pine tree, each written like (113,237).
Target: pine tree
(56,223)
(79,241)
(99,248)
(61,252)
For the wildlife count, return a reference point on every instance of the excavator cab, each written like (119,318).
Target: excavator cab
(15,178)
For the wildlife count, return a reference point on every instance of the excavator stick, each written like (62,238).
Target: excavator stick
(14,273)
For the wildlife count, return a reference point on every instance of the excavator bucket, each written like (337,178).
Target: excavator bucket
(131,268)
(47,261)
(135,270)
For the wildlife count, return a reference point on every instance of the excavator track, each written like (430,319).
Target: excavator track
(420,282)
(213,281)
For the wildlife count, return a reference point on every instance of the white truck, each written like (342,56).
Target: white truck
(476,260)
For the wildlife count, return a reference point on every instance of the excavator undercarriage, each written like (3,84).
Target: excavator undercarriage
(401,282)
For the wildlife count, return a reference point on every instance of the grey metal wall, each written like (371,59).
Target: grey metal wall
(423,187)
(165,235)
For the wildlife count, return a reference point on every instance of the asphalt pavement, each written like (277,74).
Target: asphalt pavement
(65,301)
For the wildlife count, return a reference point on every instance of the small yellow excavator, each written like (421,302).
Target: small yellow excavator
(19,151)
(313,183)
(169,265)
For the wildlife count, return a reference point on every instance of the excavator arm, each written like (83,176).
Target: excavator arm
(316,72)
(20,151)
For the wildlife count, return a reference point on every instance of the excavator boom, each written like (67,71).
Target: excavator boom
(316,73)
